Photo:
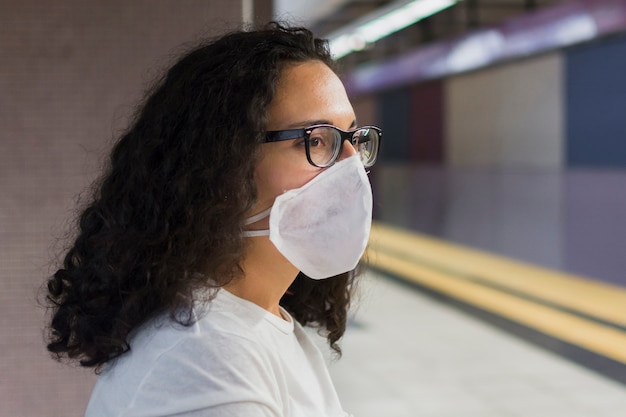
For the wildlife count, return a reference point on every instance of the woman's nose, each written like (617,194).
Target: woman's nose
(347,150)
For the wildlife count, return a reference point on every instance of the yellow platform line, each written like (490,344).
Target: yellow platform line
(604,340)
(601,300)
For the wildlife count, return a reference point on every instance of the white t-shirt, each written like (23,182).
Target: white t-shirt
(237,360)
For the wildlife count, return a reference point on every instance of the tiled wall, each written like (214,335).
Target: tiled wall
(546,112)
(515,214)
(508,116)
(70,74)
(533,158)
(593,207)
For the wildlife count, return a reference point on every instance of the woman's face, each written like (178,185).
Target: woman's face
(307,93)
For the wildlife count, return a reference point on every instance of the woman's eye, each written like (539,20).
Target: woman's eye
(317,141)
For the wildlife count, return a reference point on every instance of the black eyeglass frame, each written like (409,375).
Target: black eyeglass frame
(305,133)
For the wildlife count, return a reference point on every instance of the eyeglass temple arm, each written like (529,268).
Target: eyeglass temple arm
(278,135)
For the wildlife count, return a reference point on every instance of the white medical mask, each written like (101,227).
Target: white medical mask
(322,228)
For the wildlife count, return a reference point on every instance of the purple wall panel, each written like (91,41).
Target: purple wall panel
(426,123)
(594,204)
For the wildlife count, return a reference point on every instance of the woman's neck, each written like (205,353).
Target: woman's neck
(267,275)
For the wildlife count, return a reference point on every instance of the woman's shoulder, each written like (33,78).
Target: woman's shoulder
(219,347)
(212,325)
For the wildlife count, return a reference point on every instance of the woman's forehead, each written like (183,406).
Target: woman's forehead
(309,91)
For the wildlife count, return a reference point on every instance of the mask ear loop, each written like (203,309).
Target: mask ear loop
(255,233)
(254,219)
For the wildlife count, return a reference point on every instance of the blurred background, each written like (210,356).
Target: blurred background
(496,282)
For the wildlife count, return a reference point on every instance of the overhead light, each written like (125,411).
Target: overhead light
(381,23)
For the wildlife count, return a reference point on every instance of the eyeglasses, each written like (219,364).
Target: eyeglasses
(323,143)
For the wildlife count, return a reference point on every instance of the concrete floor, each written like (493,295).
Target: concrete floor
(407,354)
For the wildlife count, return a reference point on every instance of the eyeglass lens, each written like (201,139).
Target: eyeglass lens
(325,145)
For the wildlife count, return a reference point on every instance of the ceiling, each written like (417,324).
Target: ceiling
(326,16)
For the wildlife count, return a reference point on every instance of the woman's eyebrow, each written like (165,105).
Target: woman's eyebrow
(307,123)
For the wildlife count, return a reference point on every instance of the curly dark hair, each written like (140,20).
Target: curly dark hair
(166,217)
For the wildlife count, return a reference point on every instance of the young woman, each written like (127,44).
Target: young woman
(233,212)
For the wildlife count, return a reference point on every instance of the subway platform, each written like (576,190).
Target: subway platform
(407,354)
(473,305)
